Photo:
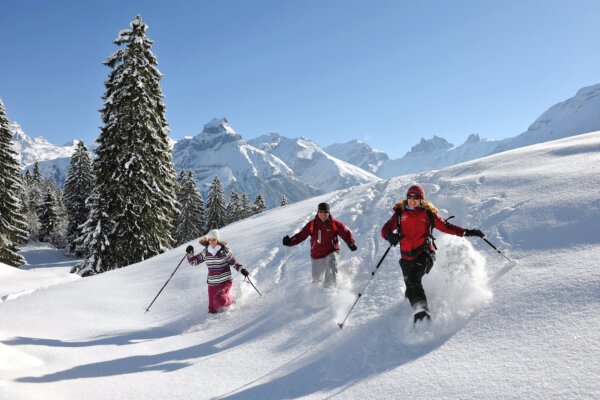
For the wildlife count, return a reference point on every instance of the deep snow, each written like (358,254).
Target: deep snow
(527,329)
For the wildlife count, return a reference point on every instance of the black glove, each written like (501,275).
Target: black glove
(474,232)
(352,247)
(287,241)
(244,271)
(393,238)
(190,250)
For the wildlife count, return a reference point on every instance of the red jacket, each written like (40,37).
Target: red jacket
(324,237)
(415,230)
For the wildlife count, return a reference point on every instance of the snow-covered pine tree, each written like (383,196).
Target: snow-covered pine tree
(283,201)
(216,209)
(78,186)
(133,202)
(48,218)
(12,222)
(246,207)
(259,204)
(233,207)
(190,223)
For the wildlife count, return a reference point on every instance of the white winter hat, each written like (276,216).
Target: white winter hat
(213,234)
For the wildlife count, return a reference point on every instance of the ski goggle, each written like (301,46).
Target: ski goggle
(413,196)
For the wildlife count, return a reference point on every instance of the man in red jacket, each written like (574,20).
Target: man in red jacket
(413,218)
(324,246)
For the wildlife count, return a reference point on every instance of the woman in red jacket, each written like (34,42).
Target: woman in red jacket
(413,219)
(324,247)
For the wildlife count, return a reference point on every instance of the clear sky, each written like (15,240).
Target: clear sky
(385,72)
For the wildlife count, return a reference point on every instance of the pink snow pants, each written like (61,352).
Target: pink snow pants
(219,297)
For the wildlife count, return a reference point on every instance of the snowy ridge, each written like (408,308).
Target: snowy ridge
(311,164)
(520,330)
(358,153)
(39,149)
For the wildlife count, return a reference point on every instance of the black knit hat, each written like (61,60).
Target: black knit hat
(323,207)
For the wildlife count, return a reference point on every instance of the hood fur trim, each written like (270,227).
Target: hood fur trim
(426,205)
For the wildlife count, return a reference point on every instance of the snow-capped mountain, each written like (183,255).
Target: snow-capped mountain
(39,149)
(358,153)
(220,151)
(311,164)
(574,116)
(436,153)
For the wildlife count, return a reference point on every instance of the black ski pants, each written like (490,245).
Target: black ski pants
(413,271)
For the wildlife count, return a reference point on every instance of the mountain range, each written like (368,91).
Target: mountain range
(275,165)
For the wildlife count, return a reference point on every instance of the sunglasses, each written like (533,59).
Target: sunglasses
(413,196)
(323,212)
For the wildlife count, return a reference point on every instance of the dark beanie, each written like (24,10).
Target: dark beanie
(324,207)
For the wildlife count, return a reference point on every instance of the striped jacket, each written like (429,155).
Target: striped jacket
(218,264)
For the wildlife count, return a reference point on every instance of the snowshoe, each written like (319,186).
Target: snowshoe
(421,315)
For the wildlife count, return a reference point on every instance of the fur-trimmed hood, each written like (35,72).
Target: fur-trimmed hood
(425,204)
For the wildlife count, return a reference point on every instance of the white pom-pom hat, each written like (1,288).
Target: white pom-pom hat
(213,234)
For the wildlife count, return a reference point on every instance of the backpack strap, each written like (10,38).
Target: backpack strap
(312,227)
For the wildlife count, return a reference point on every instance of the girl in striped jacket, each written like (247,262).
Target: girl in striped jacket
(219,261)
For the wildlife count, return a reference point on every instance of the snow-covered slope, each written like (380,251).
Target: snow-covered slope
(311,164)
(358,153)
(220,151)
(501,330)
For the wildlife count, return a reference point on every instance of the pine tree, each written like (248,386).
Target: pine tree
(246,207)
(48,218)
(190,223)
(215,206)
(12,222)
(283,201)
(133,201)
(78,186)
(259,204)
(233,208)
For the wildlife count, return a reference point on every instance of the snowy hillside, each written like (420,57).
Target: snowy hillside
(311,164)
(219,150)
(527,329)
(358,153)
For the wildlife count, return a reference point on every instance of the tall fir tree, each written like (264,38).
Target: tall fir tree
(190,223)
(78,186)
(259,204)
(216,209)
(245,207)
(233,208)
(12,222)
(48,218)
(133,202)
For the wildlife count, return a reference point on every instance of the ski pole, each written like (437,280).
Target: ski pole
(148,309)
(250,282)
(341,324)
(499,252)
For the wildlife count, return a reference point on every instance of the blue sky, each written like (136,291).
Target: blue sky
(385,72)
